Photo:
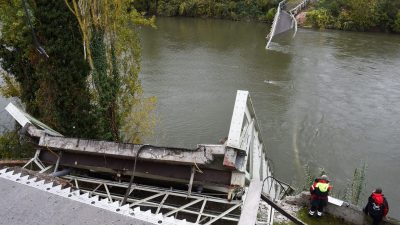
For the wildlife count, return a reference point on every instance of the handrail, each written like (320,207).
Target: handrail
(285,186)
(282,211)
(294,11)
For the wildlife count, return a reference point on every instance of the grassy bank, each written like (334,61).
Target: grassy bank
(325,219)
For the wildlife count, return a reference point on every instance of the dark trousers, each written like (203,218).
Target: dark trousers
(318,204)
(319,208)
(376,220)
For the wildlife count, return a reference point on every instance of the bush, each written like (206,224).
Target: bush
(13,148)
(320,18)
(269,16)
(168,8)
(229,9)
(344,21)
(396,25)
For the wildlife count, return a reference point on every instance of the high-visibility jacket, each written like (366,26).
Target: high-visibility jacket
(320,189)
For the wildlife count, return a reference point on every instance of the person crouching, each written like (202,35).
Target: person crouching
(319,195)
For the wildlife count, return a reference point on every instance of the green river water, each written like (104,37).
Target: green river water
(326,98)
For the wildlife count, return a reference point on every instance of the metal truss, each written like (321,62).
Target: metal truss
(36,161)
(195,207)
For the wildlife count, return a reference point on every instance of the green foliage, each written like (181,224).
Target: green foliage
(355,189)
(356,15)
(88,86)
(327,219)
(10,88)
(17,53)
(52,89)
(320,18)
(110,37)
(229,9)
(308,177)
(352,193)
(62,97)
(12,148)
(396,25)
(269,16)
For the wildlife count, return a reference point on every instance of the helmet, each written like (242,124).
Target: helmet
(325,177)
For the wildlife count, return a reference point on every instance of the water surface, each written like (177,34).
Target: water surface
(327,98)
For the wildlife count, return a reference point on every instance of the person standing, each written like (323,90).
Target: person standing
(377,206)
(319,195)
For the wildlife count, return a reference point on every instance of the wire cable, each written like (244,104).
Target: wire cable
(128,190)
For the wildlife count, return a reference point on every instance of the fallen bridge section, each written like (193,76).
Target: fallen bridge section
(222,170)
(199,156)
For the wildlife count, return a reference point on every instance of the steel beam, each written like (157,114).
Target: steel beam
(147,169)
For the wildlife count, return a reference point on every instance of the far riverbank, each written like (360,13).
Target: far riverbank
(361,16)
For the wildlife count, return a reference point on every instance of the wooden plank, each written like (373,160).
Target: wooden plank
(251,204)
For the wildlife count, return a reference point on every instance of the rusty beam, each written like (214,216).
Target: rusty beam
(10,163)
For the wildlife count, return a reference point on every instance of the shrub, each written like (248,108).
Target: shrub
(11,147)
(320,18)
(269,16)
(396,25)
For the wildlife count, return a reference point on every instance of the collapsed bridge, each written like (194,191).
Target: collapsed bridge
(211,184)
(285,18)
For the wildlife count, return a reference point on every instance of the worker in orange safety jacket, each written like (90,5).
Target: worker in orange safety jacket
(319,195)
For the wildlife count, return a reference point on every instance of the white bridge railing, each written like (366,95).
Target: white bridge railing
(274,23)
(245,136)
(300,6)
(283,13)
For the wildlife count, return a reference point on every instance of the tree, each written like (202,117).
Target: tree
(112,49)
(88,86)
(53,88)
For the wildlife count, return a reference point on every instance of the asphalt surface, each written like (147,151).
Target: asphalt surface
(21,204)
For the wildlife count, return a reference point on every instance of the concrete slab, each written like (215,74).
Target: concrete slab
(22,204)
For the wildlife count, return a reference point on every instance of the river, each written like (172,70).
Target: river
(328,99)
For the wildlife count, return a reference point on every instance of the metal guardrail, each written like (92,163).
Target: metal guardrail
(286,189)
(275,22)
(285,12)
(283,212)
(300,7)
(245,136)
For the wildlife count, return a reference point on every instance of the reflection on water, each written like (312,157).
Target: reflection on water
(329,99)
